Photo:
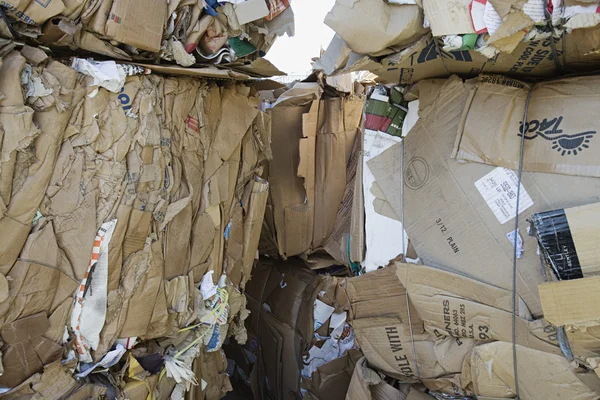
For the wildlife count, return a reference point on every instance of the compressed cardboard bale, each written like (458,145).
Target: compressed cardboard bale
(137,156)
(24,203)
(425,58)
(449,315)
(474,224)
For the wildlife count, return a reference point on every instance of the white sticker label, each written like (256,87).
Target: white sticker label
(511,238)
(499,190)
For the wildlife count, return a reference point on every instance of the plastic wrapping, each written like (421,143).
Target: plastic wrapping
(557,248)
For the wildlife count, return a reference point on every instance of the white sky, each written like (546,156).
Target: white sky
(292,55)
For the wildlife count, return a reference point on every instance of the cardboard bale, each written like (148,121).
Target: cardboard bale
(560,143)
(466,227)
(414,321)
(386,328)
(310,189)
(470,309)
(163,161)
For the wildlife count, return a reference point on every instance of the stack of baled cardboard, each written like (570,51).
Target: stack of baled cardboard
(130,223)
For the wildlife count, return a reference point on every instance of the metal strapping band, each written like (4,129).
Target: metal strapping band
(516,236)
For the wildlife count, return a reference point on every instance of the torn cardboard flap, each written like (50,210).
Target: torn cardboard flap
(366,384)
(335,57)
(27,350)
(331,380)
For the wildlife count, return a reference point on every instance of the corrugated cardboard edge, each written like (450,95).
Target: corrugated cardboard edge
(574,302)
(461,125)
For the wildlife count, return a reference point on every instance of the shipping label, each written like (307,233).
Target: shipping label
(499,190)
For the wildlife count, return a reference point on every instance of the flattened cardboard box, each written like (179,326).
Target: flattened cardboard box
(309,180)
(447,219)
(287,188)
(281,297)
(560,133)
(137,22)
(449,315)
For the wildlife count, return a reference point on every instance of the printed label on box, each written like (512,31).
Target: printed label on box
(499,190)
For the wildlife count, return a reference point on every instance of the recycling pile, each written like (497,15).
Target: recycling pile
(130,220)
(185,32)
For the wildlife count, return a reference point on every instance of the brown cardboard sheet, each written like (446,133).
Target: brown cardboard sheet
(488,371)
(138,23)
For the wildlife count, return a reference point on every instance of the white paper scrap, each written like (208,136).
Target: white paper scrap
(105,73)
(110,359)
(499,190)
(477,15)
(411,118)
(383,234)
(321,313)
(511,236)
(337,319)
(89,308)
(207,287)
(535,10)
(491,18)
